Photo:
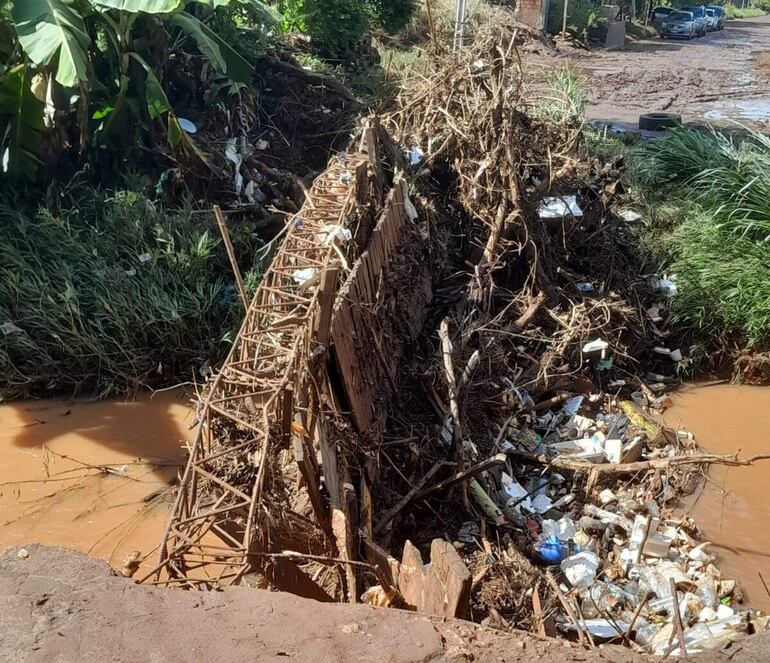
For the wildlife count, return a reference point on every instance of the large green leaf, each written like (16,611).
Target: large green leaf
(155,95)
(214,4)
(225,60)
(51,30)
(146,6)
(21,125)
(269,14)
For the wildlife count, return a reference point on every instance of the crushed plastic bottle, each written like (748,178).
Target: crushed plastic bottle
(580,569)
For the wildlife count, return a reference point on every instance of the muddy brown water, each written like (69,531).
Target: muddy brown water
(49,495)
(50,491)
(733,507)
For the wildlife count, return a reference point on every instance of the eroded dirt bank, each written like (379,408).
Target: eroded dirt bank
(57,604)
(61,605)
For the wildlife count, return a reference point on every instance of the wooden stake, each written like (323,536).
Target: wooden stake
(454,406)
(567,607)
(231,255)
(678,619)
(431,26)
(564,20)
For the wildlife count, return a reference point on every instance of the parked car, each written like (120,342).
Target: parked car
(699,15)
(711,20)
(719,12)
(659,14)
(679,24)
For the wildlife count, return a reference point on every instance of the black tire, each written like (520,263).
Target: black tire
(658,121)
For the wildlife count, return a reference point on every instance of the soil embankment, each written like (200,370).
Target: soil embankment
(61,605)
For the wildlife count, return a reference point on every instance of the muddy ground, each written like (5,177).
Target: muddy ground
(60,605)
(722,77)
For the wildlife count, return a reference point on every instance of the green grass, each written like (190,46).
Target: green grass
(104,293)
(706,202)
(567,99)
(724,287)
(733,12)
(727,174)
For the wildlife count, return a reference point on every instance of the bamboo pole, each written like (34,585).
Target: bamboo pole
(564,20)
(231,255)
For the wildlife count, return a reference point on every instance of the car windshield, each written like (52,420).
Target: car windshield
(709,12)
(680,16)
(695,11)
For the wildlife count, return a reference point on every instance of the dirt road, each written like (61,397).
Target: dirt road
(722,77)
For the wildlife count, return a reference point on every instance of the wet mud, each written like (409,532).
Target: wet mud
(721,78)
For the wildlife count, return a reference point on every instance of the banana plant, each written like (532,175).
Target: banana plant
(22,115)
(58,37)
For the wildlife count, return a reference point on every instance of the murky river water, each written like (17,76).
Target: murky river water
(52,493)
(733,509)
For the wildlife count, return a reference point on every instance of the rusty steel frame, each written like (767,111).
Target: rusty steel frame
(252,394)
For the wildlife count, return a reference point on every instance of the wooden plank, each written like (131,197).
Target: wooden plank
(367,507)
(447,588)
(341,531)
(328,288)
(329,461)
(308,472)
(411,576)
(377,556)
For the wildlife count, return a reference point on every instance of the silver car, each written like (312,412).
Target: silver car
(679,24)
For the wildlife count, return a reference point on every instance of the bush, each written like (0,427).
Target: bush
(732,12)
(712,233)
(337,26)
(110,294)
(724,286)
(394,15)
(581,14)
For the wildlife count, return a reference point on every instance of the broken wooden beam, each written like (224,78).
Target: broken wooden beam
(412,494)
(483,466)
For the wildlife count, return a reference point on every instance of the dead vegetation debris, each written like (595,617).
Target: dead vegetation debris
(506,429)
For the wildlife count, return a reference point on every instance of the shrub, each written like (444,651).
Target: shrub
(712,233)
(337,26)
(581,14)
(394,15)
(732,12)
(109,293)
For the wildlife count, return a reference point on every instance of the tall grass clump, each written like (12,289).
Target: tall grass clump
(707,198)
(105,293)
(723,302)
(728,175)
(566,98)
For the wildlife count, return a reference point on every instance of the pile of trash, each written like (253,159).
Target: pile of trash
(542,384)
(619,553)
